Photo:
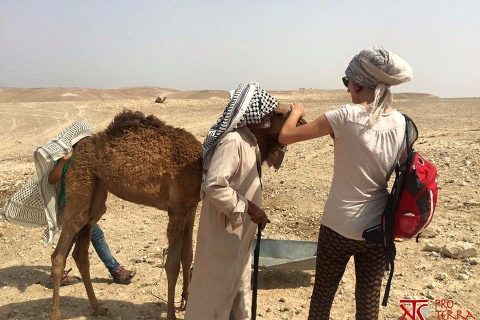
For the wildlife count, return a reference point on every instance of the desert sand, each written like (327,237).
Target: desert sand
(293,198)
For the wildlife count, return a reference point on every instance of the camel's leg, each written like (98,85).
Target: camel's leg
(187,254)
(59,255)
(80,253)
(175,232)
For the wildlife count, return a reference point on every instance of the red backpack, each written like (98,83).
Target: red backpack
(417,198)
(411,202)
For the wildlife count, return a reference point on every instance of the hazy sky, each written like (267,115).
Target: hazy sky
(217,44)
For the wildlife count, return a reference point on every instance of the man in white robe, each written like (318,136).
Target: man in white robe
(232,198)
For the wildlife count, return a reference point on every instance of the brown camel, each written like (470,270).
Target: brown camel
(142,160)
(160,100)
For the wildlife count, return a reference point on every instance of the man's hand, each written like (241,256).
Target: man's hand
(257,215)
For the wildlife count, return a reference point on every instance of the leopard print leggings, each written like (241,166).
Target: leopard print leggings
(333,253)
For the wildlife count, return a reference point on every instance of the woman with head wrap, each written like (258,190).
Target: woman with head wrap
(368,139)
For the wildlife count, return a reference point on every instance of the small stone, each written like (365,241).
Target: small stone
(463,276)
(459,250)
(431,286)
(268,310)
(281,299)
(430,296)
(428,233)
(431,248)
(441,276)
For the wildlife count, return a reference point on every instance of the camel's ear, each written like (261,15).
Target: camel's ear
(282,108)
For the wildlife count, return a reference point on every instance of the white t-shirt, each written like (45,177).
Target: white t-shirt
(364,160)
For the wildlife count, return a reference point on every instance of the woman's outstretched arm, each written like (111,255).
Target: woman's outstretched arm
(290,133)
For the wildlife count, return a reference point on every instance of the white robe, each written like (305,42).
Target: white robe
(220,288)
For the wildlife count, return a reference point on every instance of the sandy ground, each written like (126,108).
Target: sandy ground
(294,200)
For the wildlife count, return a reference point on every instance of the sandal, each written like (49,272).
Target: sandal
(66,279)
(122,275)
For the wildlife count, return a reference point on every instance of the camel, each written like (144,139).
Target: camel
(160,100)
(141,159)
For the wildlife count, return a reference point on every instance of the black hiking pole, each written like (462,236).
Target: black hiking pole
(256,256)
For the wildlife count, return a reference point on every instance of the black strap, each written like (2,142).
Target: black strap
(256,256)
(389,244)
(390,266)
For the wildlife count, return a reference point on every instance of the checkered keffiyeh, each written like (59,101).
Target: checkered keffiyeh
(249,104)
(35,203)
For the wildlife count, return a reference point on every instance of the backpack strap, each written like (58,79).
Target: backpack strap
(392,204)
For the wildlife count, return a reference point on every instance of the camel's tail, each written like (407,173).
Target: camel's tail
(129,120)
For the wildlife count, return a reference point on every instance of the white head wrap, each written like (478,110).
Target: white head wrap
(378,68)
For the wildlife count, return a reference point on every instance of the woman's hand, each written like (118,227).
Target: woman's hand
(298,110)
(289,129)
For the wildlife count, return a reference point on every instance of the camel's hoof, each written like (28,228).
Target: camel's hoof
(55,316)
(171,316)
(183,304)
(100,311)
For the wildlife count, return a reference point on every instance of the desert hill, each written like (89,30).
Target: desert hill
(9,95)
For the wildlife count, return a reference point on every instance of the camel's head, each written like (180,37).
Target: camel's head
(267,135)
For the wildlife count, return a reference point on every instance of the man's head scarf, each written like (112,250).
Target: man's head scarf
(249,104)
(378,69)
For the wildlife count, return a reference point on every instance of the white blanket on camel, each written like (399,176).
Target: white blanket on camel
(35,203)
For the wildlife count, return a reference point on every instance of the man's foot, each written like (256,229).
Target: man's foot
(122,275)
(66,279)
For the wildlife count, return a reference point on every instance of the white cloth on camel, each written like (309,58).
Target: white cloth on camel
(35,203)
(378,68)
